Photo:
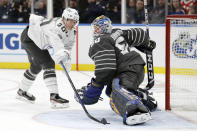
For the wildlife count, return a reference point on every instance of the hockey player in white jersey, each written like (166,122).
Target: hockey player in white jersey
(41,35)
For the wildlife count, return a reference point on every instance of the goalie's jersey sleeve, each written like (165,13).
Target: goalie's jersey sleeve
(102,52)
(136,37)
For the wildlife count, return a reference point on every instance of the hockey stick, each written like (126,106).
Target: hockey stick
(103,120)
(149,55)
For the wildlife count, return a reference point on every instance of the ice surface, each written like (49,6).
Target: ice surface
(19,116)
(78,120)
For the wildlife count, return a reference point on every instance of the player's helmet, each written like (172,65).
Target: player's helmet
(70,13)
(104,23)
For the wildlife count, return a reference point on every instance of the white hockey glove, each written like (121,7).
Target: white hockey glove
(64,56)
(61,55)
(67,64)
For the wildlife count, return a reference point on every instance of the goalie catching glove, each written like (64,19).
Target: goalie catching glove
(90,94)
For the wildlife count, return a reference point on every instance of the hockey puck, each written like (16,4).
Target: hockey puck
(104,121)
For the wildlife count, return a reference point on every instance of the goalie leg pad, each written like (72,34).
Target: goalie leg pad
(125,103)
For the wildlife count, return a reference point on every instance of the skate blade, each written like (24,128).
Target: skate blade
(24,99)
(138,119)
(55,105)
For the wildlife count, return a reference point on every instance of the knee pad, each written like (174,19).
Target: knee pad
(123,102)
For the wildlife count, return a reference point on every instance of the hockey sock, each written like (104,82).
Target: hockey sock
(50,80)
(28,80)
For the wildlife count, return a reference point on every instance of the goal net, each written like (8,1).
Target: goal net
(181,62)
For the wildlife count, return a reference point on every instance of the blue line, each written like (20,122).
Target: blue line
(12,28)
(11,54)
(14,24)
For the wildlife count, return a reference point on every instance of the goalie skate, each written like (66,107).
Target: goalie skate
(25,96)
(138,118)
(58,102)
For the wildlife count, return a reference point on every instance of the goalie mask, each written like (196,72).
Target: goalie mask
(101,25)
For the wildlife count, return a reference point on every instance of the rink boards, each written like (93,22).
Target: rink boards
(12,54)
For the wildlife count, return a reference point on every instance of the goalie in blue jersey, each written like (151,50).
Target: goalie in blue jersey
(121,69)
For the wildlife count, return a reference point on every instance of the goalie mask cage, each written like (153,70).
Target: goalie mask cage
(181,62)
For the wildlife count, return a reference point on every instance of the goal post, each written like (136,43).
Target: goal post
(181,62)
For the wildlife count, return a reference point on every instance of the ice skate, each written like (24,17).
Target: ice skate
(138,118)
(58,102)
(25,96)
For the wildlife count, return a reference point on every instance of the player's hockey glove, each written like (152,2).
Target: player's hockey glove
(147,99)
(90,94)
(64,56)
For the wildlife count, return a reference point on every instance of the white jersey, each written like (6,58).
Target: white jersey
(50,33)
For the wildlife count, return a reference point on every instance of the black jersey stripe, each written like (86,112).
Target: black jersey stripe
(105,64)
(139,36)
(98,67)
(107,59)
(103,52)
(134,35)
(104,55)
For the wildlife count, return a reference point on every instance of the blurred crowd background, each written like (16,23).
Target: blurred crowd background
(18,11)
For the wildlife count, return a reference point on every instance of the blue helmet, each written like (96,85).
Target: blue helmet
(104,23)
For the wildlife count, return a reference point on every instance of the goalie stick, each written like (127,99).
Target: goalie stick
(149,55)
(103,120)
